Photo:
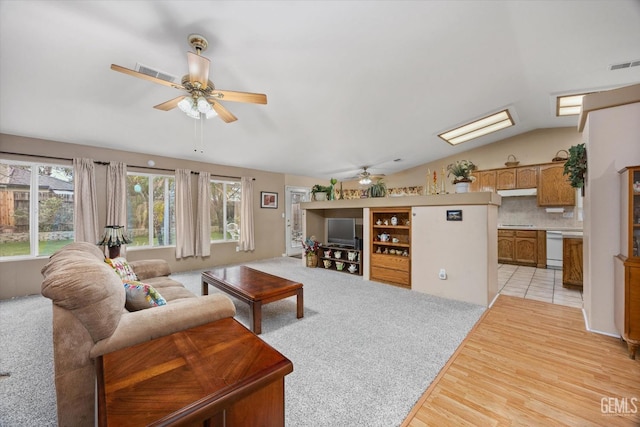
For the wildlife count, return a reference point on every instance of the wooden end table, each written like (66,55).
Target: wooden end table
(214,375)
(255,288)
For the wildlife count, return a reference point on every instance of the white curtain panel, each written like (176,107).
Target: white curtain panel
(184,214)
(85,204)
(246,242)
(117,197)
(203,216)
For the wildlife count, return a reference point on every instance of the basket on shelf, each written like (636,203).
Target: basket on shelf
(312,260)
(511,163)
(559,158)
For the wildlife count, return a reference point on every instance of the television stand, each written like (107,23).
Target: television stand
(331,255)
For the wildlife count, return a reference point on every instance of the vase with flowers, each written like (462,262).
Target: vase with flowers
(311,246)
(461,171)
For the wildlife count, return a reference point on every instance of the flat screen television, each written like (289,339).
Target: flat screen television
(341,231)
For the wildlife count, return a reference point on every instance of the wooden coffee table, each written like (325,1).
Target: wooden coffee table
(254,287)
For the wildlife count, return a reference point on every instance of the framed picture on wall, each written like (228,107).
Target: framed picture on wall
(268,200)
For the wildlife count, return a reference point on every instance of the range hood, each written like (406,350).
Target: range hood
(520,192)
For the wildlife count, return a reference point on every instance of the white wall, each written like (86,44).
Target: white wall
(466,249)
(612,138)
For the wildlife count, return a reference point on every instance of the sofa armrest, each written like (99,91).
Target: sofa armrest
(148,268)
(144,325)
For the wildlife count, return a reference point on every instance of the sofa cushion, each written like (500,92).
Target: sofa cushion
(89,289)
(122,267)
(141,295)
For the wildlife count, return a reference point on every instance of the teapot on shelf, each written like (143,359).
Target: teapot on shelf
(384,237)
(394,220)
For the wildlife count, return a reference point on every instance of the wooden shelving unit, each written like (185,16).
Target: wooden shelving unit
(390,260)
(329,260)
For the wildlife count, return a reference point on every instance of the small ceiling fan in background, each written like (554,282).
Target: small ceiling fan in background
(202,98)
(365,177)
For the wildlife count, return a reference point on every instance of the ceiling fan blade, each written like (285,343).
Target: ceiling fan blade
(230,95)
(169,105)
(223,113)
(198,69)
(145,77)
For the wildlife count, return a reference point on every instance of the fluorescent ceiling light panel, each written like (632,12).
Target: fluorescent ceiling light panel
(569,105)
(478,128)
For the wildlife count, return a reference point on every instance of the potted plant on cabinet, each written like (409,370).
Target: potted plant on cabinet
(461,171)
(321,192)
(379,189)
(576,166)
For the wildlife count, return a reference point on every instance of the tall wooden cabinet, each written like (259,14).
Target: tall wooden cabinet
(390,259)
(627,280)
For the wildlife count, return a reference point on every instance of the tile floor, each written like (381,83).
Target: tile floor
(536,283)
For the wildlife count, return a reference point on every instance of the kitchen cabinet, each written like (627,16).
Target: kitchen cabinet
(627,263)
(527,177)
(521,247)
(553,186)
(572,262)
(506,179)
(390,255)
(485,181)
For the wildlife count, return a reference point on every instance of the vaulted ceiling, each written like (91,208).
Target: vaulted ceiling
(349,83)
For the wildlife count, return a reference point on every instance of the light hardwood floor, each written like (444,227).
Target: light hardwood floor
(532,363)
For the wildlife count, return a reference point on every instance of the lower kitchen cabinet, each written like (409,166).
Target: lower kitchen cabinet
(572,262)
(520,247)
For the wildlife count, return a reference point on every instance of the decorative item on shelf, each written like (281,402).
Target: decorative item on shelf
(511,161)
(337,254)
(394,220)
(311,246)
(113,238)
(461,171)
(327,263)
(560,157)
(352,255)
(332,192)
(379,189)
(352,268)
(384,237)
(327,253)
(321,192)
(339,265)
(576,166)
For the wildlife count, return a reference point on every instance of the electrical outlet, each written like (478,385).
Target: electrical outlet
(443,274)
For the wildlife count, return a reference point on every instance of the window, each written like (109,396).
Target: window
(36,208)
(225,210)
(151,213)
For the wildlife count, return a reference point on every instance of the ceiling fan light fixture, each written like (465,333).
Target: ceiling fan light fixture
(365,181)
(186,104)
(211,113)
(203,105)
(194,113)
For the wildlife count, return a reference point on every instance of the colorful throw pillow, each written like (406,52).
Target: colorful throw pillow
(122,267)
(141,296)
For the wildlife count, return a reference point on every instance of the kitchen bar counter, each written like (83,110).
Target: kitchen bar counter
(543,228)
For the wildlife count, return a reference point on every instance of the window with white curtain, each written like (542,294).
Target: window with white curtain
(36,208)
(225,210)
(151,213)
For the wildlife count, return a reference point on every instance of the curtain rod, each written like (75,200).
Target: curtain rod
(97,162)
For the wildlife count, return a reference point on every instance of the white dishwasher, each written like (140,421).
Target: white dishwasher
(554,249)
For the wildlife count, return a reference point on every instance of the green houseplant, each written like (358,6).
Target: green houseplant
(461,171)
(379,189)
(576,166)
(321,192)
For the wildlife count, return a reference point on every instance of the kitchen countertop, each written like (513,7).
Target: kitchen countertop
(544,228)
(572,234)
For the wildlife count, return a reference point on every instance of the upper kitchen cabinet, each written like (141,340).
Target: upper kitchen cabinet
(485,181)
(553,186)
(517,178)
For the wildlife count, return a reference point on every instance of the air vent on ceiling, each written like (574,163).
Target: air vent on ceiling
(155,73)
(623,65)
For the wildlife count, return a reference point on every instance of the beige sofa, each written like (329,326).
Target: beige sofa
(90,319)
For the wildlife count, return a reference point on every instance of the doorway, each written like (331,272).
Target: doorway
(293,218)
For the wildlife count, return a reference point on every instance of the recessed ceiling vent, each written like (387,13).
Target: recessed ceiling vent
(155,73)
(623,65)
